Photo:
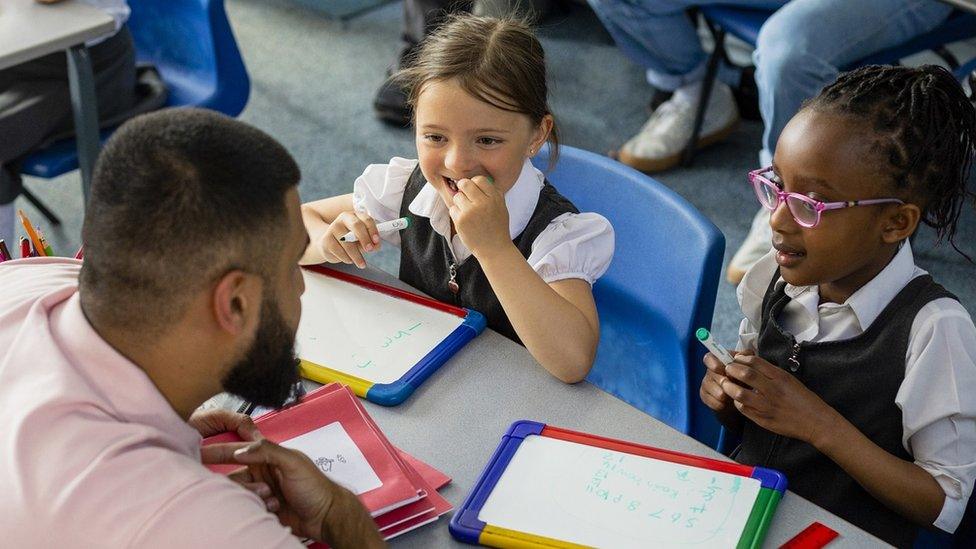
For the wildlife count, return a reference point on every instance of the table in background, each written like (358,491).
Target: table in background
(29,30)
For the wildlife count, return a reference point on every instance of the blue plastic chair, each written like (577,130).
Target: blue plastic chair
(745,23)
(660,287)
(191,45)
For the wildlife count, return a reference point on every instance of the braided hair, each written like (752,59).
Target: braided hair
(924,127)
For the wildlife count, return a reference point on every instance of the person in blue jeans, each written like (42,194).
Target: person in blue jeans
(800,49)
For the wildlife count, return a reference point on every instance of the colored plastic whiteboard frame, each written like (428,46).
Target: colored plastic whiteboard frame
(466,527)
(391,394)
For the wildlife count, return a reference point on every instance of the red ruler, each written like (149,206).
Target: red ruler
(812,537)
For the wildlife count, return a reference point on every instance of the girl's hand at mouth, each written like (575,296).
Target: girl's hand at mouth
(480,215)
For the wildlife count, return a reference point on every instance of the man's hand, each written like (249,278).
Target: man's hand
(303,498)
(217,420)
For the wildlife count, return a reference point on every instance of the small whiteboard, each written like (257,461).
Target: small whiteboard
(381,341)
(551,487)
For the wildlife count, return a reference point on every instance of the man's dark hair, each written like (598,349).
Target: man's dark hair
(179,197)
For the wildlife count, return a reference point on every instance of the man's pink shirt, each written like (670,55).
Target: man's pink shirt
(91,453)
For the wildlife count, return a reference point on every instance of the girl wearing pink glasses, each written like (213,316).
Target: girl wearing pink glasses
(856,374)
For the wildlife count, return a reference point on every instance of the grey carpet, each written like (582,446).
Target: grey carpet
(312,83)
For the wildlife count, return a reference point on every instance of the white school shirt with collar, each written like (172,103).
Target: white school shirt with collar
(572,246)
(938,395)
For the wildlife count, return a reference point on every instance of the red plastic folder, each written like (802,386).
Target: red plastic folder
(403,495)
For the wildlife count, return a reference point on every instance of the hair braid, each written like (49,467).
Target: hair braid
(924,126)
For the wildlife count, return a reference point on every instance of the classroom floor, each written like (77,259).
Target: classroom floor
(312,84)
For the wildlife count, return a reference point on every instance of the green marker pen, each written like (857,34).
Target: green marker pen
(713,346)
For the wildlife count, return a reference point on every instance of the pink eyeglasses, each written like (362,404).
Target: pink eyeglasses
(806,211)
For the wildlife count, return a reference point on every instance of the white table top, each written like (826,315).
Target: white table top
(456,418)
(29,29)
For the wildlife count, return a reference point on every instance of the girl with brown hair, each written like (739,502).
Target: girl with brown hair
(487,230)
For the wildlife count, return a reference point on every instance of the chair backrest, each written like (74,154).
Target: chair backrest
(745,23)
(191,44)
(659,288)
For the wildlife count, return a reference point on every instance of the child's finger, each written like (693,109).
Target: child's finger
(335,248)
(747,375)
(713,387)
(461,200)
(374,233)
(711,401)
(714,364)
(355,253)
(483,184)
(357,226)
(739,393)
(471,190)
(750,412)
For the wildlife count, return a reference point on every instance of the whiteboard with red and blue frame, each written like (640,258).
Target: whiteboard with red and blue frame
(381,341)
(551,487)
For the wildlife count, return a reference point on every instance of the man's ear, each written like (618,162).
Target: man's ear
(900,223)
(237,301)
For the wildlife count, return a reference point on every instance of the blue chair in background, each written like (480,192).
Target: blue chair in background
(191,44)
(660,287)
(745,23)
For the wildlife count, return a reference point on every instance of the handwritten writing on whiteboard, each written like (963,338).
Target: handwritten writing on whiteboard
(591,496)
(366,333)
(688,504)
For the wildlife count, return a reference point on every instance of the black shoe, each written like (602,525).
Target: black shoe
(391,104)
(658,97)
(747,95)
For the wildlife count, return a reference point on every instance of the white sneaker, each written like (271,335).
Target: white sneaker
(660,143)
(757,244)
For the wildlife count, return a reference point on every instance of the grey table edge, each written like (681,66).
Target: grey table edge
(452,422)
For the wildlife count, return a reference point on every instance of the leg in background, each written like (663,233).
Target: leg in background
(420,18)
(801,49)
(659,36)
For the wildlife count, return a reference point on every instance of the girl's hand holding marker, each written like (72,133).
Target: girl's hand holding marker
(711,391)
(713,346)
(385,227)
(352,234)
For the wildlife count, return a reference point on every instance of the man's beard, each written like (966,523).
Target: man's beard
(269,370)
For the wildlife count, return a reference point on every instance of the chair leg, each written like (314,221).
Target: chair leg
(41,207)
(711,70)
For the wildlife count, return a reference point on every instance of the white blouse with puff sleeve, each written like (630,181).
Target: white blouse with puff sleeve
(572,246)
